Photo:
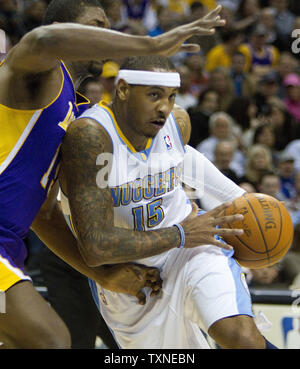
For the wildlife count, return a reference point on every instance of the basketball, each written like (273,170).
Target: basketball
(268,230)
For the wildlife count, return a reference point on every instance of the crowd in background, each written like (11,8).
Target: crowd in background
(242,90)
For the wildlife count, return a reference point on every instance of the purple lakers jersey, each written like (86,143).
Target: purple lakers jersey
(30,142)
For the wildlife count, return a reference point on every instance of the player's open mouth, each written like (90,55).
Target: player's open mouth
(158,122)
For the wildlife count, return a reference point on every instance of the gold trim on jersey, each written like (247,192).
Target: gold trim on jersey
(10,275)
(15,128)
(16,125)
(120,133)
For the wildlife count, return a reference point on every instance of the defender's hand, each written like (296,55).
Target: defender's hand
(172,41)
(201,230)
(131,279)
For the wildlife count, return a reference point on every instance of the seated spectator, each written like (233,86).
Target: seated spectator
(267,18)
(92,89)
(292,100)
(247,15)
(269,277)
(34,12)
(288,64)
(243,111)
(140,11)
(116,14)
(284,126)
(267,89)
(199,115)
(221,55)
(269,184)
(107,79)
(293,204)
(221,127)
(286,172)
(291,261)
(224,152)
(184,96)
(264,135)
(284,21)
(243,83)
(221,82)
(293,148)
(165,21)
(199,80)
(258,53)
(258,160)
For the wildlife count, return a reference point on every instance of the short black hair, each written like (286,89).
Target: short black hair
(64,11)
(147,63)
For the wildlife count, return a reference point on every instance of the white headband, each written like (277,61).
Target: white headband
(142,77)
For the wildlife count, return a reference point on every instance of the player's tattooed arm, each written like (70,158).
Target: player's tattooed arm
(92,208)
(183,123)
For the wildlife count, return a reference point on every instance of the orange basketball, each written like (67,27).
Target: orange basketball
(268,230)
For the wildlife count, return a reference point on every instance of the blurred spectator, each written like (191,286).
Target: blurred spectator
(269,277)
(199,115)
(221,127)
(140,11)
(258,160)
(221,82)
(286,172)
(199,80)
(165,21)
(243,83)
(92,89)
(184,97)
(287,64)
(267,18)
(259,54)
(291,261)
(283,124)
(264,135)
(267,88)
(247,15)
(221,55)
(34,11)
(293,148)
(11,20)
(223,153)
(292,100)
(116,14)
(293,204)
(243,111)
(269,184)
(248,187)
(107,80)
(284,20)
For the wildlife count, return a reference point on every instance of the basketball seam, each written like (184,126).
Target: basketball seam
(261,232)
(242,242)
(255,260)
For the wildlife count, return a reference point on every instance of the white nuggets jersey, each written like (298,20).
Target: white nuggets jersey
(200,285)
(145,186)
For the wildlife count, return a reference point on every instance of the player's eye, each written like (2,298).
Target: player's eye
(154,95)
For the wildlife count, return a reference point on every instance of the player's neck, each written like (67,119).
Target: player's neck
(138,141)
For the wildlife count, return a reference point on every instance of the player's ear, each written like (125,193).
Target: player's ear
(123,90)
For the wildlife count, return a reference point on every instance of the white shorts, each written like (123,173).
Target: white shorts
(200,286)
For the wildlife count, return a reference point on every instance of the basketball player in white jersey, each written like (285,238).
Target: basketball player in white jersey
(121,171)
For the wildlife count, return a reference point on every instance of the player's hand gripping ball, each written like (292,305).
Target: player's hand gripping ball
(268,230)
